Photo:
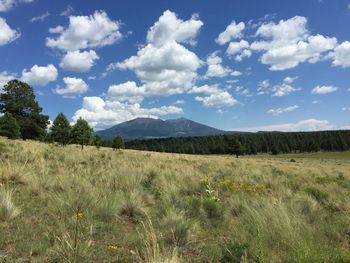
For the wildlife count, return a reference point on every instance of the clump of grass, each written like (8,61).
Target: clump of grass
(8,210)
(233,252)
(176,229)
(132,207)
(318,194)
(293,160)
(212,208)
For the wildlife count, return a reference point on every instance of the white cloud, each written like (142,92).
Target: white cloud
(7,5)
(164,66)
(289,80)
(7,34)
(169,28)
(240,49)
(236,73)
(288,43)
(215,67)
(232,31)
(345,109)
(68,11)
(102,114)
(4,78)
(40,75)
(218,100)
(40,18)
(217,97)
(263,87)
(240,90)
(304,125)
(324,89)
(341,55)
(179,102)
(280,111)
(74,86)
(315,102)
(92,31)
(128,91)
(79,61)
(283,90)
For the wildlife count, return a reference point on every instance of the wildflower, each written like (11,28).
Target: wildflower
(204,182)
(79,216)
(113,248)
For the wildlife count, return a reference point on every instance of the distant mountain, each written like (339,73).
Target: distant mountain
(142,128)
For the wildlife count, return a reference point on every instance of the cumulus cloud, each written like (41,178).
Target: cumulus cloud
(4,78)
(216,98)
(7,5)
(279,90)
(263,87)
(74,87)
(127,91)
(304,125)
(101,114)
(92,31)
(40,75)
(215,67)
(324,89)
(163,65)
(7,34)
(239,50)
(279,111)
(341,55)
(288,43)
(345,109)
(232,31)
(79,61)
(283,89)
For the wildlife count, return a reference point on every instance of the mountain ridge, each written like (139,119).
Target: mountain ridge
(146,128)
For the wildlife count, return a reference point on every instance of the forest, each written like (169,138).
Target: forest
(253,143)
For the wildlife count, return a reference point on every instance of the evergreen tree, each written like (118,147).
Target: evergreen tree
(9,127)
(97,141)
(81,133)
(18,99)
(60,129)
(236,147)
(117,142)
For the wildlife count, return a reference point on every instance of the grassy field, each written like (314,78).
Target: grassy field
(61,204)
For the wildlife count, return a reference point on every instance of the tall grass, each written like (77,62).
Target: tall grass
(61,204)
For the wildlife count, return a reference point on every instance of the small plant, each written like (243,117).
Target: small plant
(233,252)
(212,208)
(8,210)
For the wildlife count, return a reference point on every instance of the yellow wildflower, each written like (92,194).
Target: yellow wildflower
(113,248)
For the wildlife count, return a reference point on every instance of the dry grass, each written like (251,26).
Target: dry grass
(130,206)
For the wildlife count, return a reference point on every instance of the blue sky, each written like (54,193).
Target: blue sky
(234,65)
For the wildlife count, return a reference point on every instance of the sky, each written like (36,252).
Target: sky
(235,65)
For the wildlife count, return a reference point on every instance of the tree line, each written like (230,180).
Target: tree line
(239,144)
(23,118)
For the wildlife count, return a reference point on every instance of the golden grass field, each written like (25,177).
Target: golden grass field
(62,204)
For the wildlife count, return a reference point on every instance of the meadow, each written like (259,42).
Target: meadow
(64,204)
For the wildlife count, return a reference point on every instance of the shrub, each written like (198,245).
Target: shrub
(292,160)
(212,208)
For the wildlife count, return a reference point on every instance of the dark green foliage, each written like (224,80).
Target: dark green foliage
(212,208)
(81,133)
(18,99)
(233,252)
(97,141)
(9,127)
(235,147)
(269,142)
(60,130)
(118,142)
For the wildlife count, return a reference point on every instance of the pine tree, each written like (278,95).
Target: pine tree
(81,133)
(118,142)
(60,129)
(18,99)
(97,141)
(9,127)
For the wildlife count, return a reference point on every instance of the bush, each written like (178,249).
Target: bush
(293,161)
(212,208)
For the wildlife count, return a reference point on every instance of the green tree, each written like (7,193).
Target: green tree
(60,129)
(18,99)
(9,127)
(118,142)
(81,133)
(236,147)
(97,141)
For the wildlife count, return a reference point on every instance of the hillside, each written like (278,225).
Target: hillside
(141,128)
(62,204)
